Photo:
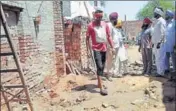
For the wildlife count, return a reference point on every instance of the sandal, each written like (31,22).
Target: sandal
(103,92)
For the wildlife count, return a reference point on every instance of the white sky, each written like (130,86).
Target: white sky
(130,8)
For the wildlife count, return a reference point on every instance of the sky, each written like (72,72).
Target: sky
(130,8)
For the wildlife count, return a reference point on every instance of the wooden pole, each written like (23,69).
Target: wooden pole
(96,3)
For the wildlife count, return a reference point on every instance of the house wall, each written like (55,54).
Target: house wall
(132,28)
(40,56)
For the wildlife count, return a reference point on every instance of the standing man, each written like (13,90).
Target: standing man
(170,40)
(146,46)
(174,25)
(121,57)
(119,26)
(158,41)
(111,65)
(99,33)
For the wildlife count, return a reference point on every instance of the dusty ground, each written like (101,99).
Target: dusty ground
(130,93)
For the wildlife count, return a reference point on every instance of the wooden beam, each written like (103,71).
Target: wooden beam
(11,8)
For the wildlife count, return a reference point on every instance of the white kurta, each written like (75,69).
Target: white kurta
(111,64)
(159,33)
(170,38)
(169,45)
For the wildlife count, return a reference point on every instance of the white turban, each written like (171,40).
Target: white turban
(159,11)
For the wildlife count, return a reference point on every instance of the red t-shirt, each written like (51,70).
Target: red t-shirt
(91,33)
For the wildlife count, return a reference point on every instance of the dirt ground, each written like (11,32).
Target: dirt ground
(130,93)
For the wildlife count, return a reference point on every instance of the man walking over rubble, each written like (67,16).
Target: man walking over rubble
(145,45)
(158,41)
(170,40)
(99,33)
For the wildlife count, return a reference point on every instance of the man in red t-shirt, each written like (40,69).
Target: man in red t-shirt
(99,33)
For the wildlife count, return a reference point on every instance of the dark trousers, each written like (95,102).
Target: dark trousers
(147,59)
(100,59)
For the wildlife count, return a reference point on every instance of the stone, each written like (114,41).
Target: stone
(105,105)
(24,108)
(114,106)
(153,96)
(155,106)
(137,102)
(52,94)
(65,104)
(146,91)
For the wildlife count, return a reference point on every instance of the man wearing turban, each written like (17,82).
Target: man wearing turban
(146,46)
(158,40)
(112,64)
(170,40)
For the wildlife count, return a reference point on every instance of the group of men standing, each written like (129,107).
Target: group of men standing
(109,52)
(106,43)
(158,38)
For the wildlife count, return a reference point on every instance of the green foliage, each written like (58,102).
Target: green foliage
(147,10)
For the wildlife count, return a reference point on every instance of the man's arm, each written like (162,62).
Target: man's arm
(163,32)
(109,38)
(139,42)
(150,37)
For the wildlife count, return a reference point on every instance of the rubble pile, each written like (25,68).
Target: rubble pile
(34,72)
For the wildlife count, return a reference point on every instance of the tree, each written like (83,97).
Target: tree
(147,10)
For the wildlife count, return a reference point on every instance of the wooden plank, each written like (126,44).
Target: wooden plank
(19,100)
(6,54)
(76,69)
(69,67)
(72,67)
(15,96)
(8,92)
(3,36)
(9,70)
(14,86)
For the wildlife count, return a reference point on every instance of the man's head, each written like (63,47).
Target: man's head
(113,18)
(146,23)
(98,14)
(169,15)
(158,12)
(119,23)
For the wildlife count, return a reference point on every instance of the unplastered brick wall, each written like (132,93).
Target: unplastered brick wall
(75,44)
(72,36)
(40,55)
(26,47)
(132,28)
(68,41)
(59,39)
(84,57)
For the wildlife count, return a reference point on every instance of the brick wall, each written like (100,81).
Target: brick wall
(59,39)
(40,56)
(75,44)
(132,28)
(84,57)
(68,41)
(72,35)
